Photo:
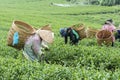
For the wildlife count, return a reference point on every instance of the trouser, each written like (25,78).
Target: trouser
(112,44)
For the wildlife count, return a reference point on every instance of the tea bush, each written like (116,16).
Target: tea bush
(25,70)
(84,56)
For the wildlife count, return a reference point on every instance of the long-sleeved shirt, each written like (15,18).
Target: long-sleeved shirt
(110,27)
(32,47)
(73,35)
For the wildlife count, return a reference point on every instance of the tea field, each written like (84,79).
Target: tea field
(86,61)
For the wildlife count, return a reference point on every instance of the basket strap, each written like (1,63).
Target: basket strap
(76,34)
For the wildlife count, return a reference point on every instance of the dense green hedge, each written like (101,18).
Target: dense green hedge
(25,70)
(86,54)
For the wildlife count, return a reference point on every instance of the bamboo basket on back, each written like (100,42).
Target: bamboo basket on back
(90,33)
(104,37)
(24,30)
(46,27)
(80,28)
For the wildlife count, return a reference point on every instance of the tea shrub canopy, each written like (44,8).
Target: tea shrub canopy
(86,61)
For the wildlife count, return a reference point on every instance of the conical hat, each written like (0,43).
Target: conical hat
(46,35)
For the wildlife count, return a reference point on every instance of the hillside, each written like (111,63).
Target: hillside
(87,61)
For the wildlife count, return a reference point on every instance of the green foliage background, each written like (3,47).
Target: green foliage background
(97,2)
(87,61)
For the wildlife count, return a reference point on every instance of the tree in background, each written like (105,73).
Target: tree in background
(97,2)
(107,2)
(94,2)
(117,2)
(72,1)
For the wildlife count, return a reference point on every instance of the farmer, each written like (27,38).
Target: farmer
(33,45)
(108,25)
(117,35)
(69,32)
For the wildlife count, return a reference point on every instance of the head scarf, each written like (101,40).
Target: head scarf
(63,31)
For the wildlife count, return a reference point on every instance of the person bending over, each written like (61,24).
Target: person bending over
(33,45)
(71,33)
(108,25)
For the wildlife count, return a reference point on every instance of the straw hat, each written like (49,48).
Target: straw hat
(46,35)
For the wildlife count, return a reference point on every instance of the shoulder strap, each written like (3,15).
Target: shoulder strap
(76,34)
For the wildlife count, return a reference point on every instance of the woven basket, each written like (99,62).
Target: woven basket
(104,37)
(81,30)
(46,27)
(24,30)
(90,33)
